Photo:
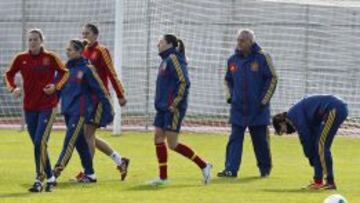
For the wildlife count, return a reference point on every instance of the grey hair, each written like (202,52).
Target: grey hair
(249,34)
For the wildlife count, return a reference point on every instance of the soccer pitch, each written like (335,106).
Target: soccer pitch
(290,172)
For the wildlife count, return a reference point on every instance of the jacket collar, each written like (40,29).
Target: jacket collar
(77,62)
(167,53)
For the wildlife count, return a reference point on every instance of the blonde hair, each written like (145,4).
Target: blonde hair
(37,31)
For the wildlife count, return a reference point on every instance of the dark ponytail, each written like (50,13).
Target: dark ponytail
(181,46)
(175,42)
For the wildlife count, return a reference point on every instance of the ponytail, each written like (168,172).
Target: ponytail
(175,42)
(180,46)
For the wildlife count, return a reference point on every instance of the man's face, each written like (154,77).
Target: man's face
(243,42)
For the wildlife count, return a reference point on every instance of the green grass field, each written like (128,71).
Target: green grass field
(290,172)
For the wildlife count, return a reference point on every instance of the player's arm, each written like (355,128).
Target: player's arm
(271,79)
(9,76)
(229,84)
(114,79)
(62,72)
(97,86)
(182,81)
(307,142)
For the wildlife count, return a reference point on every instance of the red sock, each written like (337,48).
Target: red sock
(189,153)
(161,153)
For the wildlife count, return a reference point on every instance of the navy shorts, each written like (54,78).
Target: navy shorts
(100,117)
(169,121)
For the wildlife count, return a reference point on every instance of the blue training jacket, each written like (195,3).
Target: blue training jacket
(308,114)
(172,84)
(77,95)
(251,81)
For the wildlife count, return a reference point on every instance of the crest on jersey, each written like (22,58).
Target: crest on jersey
(80,74)
(254,66)
(46,61)
(24,62)
(162,68)
(232,68)
(93,56)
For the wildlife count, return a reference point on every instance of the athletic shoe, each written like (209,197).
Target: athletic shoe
(207,173)
(78,177)
(50,186)
(87,179)
(36,187)
(328,186)
(313,186)
(123,168)
(226,174)
(158,182)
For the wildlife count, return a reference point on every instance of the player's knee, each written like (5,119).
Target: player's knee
(172,144)
(159,136)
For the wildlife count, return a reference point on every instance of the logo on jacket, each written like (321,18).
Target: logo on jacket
(232,68)
(254,66)
(80,74)
(46,61)
(162,69)
(93,56)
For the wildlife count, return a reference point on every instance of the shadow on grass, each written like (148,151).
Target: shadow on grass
(293,190)
(15,195)
(145,187)
(236,180)
(73,184)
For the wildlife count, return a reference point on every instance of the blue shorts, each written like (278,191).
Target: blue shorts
(100,117)
(169,121)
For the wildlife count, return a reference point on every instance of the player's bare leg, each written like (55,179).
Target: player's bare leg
(122,163)
(173,143)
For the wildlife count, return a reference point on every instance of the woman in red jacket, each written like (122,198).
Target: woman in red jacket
(38,67)
(100,58)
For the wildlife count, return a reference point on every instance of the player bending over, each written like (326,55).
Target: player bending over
(316,119)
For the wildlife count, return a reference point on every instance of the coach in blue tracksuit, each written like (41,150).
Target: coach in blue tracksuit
(316,119)
(251,81)
(77,107)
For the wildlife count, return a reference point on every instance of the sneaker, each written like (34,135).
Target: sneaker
(328,186)
(264,174)
(87,179)
(313,186)
(158,182)
(50,186)
(123,168)
(226,174)
(78,177)
(36,187)
(207,173)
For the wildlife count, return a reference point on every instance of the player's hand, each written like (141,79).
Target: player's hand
(16,92)
(172,109)
(49,89)
(228,100)
(122,101)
